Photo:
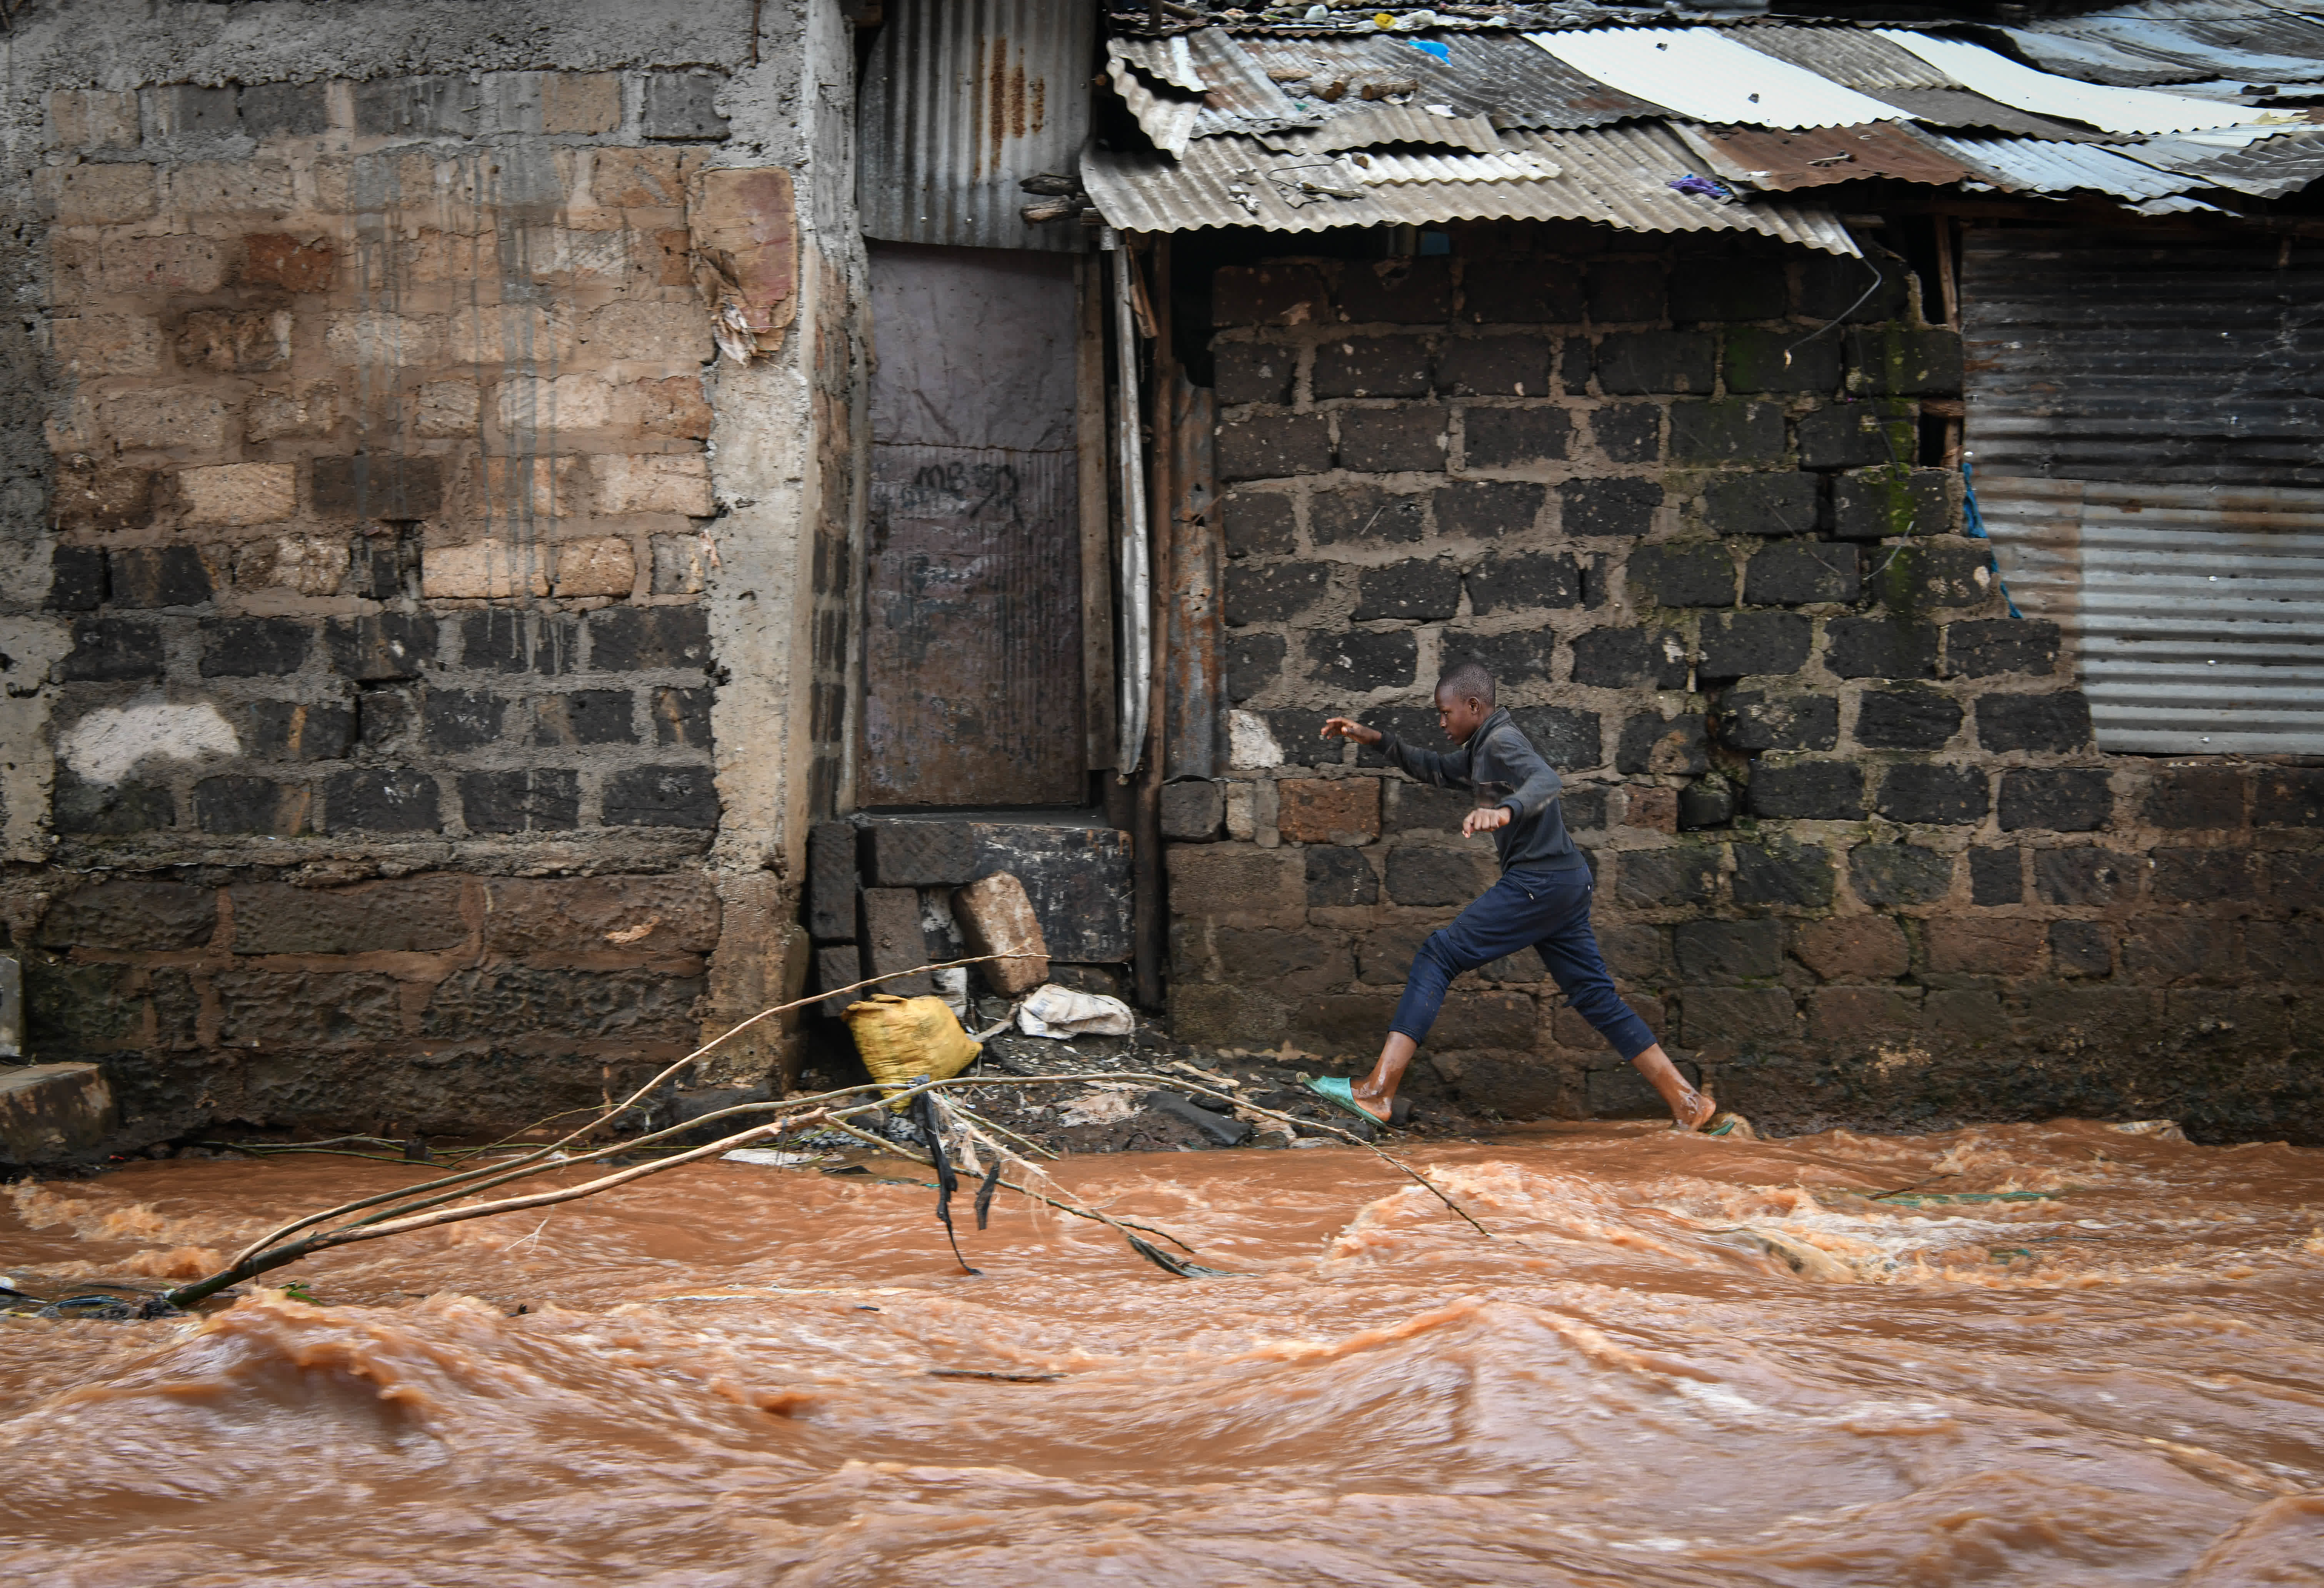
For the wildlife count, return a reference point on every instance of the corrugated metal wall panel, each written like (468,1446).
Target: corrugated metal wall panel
(963,100)
(2145,426)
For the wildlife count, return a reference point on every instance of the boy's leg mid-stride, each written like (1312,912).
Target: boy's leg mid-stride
(1541,902)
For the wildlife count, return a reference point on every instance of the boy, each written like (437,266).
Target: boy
(1542,901)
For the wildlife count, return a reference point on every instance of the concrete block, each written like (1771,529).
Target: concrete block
(169,417)
(486,570)
(1493,366)
(50,1112)
(1763,504)
(1078,879)
(1728,1018)
(1847,435)
(573,1005)
(77,580)
(1983,945)
(996,916)
(1268,294)
(1996,876)
(891,940)
(1730,951)
(1193,809)
(91,119)
(1863,1014)
(511,335)
(681,716)
(920,854)
(102,194)
(104,497)
(308,413)
(1813,791)
(1638,361)
(1334,811)
(1265,447)
(294,110)
(1372,366)
(603,565)
(153,916)
(1797,876)
(1358,661)
(172,263)
(637,639)
(235,341)
(381,799)
(2056,723)
(1271,594)
(652,482)
(837,965)
(542,799)
(1523,581)
(237,495)
(108,344)
(1700,574)
(107,649)
(1427,874)
(1417,589)
(1885,875)
(1913,792)
(586,717)
(1608,507)
(254,646)
(1339,878)
(376,339)
(1727,431)
(652,333)
(2063,801)
(1755,719)
(662,796)
(1908,717)
(1487,510)
(1250,886)
(1254,372)
(1621,657)
(158,575)
(683,105)
(11,1007)
(1880,647)
(1361,515)
(294,265)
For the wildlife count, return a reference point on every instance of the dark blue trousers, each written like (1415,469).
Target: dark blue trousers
(1547,912)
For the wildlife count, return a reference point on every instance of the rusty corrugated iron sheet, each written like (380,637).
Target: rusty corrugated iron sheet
(1370,125)
(1193,671)
(2149,446)
(2138,50)
(962,100)
(1857,58)
(1619,176)
(1783,161)
(1238,95)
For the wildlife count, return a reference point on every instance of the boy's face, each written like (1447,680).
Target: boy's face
(1460,716)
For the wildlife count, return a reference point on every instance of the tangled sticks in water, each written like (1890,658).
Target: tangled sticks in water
(954,1133)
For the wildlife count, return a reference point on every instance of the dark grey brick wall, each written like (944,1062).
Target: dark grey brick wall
(1857,857)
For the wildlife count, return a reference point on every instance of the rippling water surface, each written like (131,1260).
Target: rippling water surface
(1678,1362)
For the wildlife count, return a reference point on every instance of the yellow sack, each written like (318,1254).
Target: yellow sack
(902,1039)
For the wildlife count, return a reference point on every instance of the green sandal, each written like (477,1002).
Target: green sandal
(1337,1089)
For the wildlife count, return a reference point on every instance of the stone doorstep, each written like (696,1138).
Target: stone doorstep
(51,1112)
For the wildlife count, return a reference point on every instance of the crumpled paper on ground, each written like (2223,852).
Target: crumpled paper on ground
(1051,1010)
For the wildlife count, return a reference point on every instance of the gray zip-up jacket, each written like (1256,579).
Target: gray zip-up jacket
(1500,752)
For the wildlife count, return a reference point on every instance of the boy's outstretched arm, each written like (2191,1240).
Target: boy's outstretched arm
(1426,765)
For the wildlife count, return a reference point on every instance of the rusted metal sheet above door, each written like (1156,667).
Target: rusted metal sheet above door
(963,99)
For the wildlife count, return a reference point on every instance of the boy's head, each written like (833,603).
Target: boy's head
(1464,699)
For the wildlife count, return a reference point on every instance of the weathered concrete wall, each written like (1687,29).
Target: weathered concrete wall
(1856,855)
(395,518)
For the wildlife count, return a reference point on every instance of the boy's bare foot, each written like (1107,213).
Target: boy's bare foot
(1380,1107)
(1693,1110)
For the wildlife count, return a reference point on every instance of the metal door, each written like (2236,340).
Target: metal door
(972,653)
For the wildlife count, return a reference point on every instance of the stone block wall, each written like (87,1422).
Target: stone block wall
(377,567)
(1856,855)
(381,481)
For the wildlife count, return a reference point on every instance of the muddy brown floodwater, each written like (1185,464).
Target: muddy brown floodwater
(733,1374)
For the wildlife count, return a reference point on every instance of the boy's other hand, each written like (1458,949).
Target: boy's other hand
(1342,727)
(1484,820)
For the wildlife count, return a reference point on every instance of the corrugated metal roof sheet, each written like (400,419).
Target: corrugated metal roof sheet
(2196,614)
(1373,125)
(1166,61)
(1783,162)
(2149,447)
(963,99)
(2027,165)
(1957,107)
(1855,58)
(1615,175)
(1708,75)
(1168,122)
(1241,97)
(2266,167)
(1508,166)
(2113,48)
(2117,110)
(1484,74)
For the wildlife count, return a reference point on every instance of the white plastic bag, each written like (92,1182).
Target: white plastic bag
(1051,1010)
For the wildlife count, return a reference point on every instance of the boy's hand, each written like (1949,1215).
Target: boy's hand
(1484,820)
(1340,727)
